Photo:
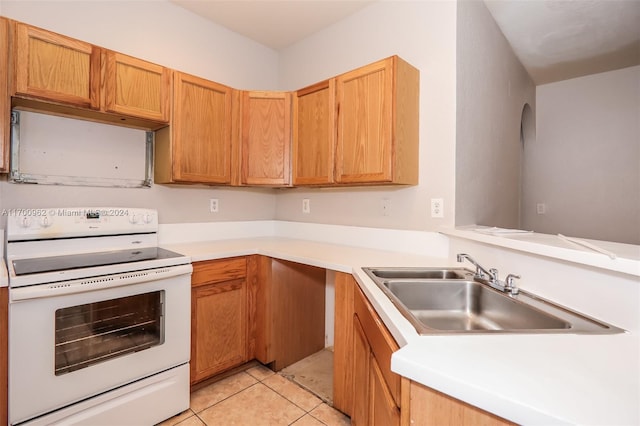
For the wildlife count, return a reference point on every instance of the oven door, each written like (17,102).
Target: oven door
(67,348)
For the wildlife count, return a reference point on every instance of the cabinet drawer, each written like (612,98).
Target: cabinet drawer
(381,342)
(211,271)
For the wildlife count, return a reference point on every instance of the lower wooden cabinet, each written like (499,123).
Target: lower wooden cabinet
(382,406)
(373,403)
(376,389)
(254,307)
(364,386)
(342,343)
(361,377)
(219,317)
(290,312)
(430,407)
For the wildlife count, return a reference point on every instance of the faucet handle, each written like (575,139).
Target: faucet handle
(494,274)
(509,285)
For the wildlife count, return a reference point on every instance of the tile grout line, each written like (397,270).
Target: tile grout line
(301,387)
(261,381)
(230,396)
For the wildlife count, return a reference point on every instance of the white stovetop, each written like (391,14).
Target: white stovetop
(528,379)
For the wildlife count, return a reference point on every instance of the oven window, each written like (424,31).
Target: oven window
(95,332)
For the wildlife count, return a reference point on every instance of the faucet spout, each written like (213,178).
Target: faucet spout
(491,276)
(480,271)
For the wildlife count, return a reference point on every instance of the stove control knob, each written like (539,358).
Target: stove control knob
(134,218)
(46,221)
(24,221)
(147,218)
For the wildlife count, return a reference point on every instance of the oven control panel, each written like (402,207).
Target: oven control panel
(33,223)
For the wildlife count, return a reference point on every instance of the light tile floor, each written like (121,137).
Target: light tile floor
(314,373)
(257,396)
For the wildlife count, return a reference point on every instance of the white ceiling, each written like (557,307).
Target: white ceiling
(561,39)
(554,39)
(276,24)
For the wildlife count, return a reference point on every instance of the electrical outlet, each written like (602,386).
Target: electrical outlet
(214,205)
(306,205)
(437,207)
(541,208)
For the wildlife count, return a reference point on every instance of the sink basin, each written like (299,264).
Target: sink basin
(468,305)
(448,300)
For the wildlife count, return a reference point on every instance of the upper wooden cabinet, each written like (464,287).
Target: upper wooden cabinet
(265,134)
(377,124)
(135,87)
(5,99)
(56,68)
(359,128)
(314,134)
(197,147)
(61,75)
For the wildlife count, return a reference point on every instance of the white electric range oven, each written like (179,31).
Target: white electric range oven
(99,318)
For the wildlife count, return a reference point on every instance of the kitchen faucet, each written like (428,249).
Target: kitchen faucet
(490,277)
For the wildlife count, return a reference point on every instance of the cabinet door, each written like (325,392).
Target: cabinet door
(219,328)
(219,316)
(361,376)
(5,97)
(136,88)
(56,68)
(314,134)
(201,130)
(266,138)
(380,340)
(364,135)
(383,409)
(345,286)
(297,311)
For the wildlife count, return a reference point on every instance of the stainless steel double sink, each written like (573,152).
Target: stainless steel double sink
(449,300)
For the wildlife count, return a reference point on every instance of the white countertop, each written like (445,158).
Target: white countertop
(528,379)
(626,260)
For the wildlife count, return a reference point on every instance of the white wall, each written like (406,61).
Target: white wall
(423,33)
(492,89)
(585,162)
(163,33)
